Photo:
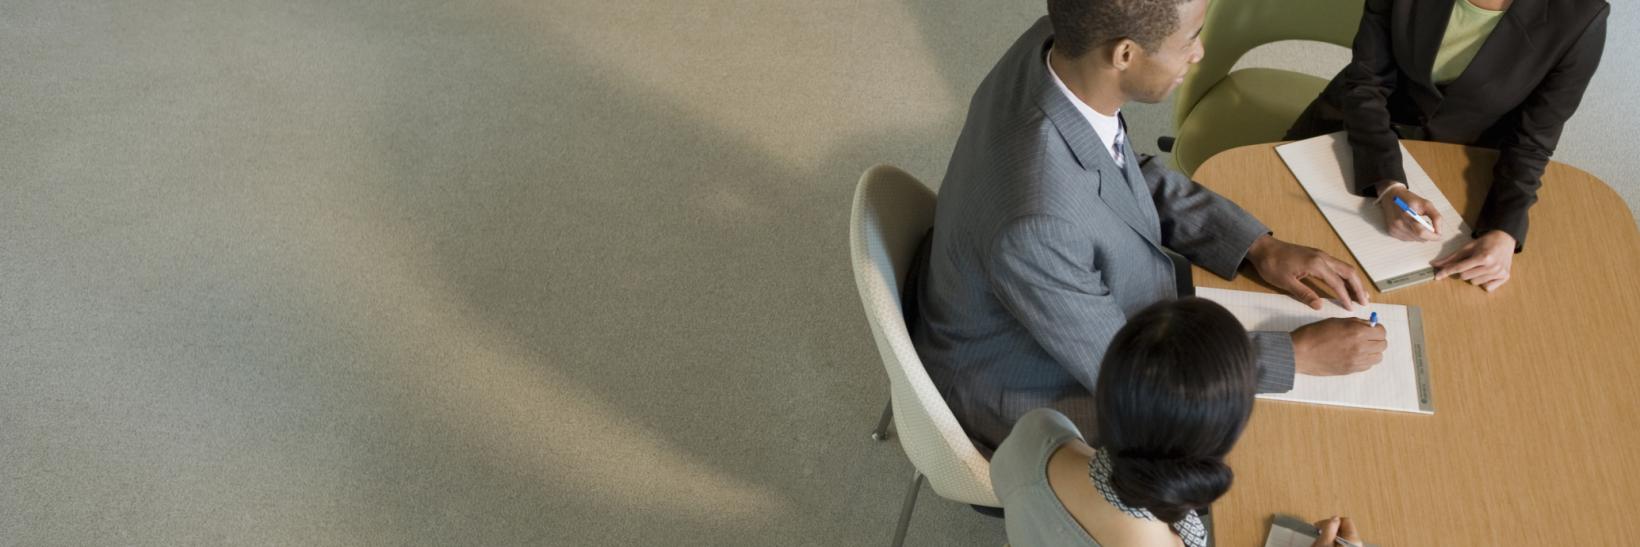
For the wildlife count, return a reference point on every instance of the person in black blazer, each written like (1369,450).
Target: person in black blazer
(1515,95)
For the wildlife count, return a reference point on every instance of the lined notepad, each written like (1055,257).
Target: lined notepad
(1400,382)
(1325,168)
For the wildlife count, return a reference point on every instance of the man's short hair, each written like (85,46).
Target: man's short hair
(1081,25)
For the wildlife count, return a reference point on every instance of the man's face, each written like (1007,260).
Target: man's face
(1154,73)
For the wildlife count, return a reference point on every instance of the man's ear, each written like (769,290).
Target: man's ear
(1122,53)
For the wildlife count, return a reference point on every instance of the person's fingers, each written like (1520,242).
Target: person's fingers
(1405,229)
(1478,273)
(1361,329)
(1468,262)
(1365,361)
(1300,292)
(1375,346)
(1329,531)
(1399,225)
(1483,279)
(1358,290)
(1378,333)
(1346,530)
(1494,284)
(1434,219)
(1442,261)
(1463,252)
(1333,282)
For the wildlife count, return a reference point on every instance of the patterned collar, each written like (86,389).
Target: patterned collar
(1189,528)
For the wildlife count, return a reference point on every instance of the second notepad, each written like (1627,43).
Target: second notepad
(1323,166)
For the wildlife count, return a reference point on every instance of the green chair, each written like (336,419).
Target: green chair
(1217,110)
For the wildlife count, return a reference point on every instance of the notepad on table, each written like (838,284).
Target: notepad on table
(1325,168)
(1291,531)
(1400,382)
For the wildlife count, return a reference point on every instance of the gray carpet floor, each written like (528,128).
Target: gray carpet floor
(492,273)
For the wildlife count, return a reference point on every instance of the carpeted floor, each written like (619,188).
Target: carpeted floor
(488,273)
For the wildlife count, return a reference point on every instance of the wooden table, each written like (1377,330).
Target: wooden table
(1536,434)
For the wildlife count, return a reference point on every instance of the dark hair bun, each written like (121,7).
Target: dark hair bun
(1169,488)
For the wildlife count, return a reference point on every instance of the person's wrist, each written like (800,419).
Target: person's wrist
(1499,238)
(1388,188)
(1301,347)
(1259,248)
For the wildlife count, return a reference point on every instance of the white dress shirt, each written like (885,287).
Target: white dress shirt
(1109,128)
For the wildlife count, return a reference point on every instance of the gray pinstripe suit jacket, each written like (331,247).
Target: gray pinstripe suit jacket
(1042,248)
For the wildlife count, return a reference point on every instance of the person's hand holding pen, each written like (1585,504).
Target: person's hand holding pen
(1408,216)
(1337,532)
(1337,346)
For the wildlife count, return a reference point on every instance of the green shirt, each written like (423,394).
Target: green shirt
(1465,32)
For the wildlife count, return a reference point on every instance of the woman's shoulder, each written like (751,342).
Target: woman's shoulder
(1036,435)
(1023,456)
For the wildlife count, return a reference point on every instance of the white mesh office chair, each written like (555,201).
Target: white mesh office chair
(892,211)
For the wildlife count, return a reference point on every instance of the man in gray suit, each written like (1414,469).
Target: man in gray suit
(1049,231)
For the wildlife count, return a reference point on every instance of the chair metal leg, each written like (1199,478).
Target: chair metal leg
(881,433)
(905,509)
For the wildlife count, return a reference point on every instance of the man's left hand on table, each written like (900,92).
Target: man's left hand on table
(1286,266)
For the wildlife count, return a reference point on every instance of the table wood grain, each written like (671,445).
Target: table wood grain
(1535,438)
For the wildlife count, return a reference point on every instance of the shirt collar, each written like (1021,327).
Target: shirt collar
(1109,128)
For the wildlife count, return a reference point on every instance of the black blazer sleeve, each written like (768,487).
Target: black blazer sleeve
(1369,80)
(1524,152)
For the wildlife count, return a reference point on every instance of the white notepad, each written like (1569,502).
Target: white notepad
(1290,531)
(1400,382)
(1325,168)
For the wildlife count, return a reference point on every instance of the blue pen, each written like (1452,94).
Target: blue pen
(1374,319)
(1415,216)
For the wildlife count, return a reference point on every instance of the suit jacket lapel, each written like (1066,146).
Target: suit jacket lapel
(1429,21)
(1113,188)
(1141,191)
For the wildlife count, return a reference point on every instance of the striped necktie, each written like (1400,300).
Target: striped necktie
(1120,145)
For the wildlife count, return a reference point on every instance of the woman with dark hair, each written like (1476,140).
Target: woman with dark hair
(1501,74)
(1175,390)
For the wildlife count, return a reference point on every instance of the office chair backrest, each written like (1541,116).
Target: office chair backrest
(892,211)
(1234,27)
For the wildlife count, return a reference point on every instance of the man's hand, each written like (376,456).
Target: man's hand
(1333,347)
(1401,225)
(1484,261)
(1286,266)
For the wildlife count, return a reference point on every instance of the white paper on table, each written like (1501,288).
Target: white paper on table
(1325,168)
(1400,382)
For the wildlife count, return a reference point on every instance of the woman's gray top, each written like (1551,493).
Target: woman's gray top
(1035,516)
(1019,474)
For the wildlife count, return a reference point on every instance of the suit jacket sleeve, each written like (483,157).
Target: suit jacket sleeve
(1525,151)
(1369,80)
(1215,232)
(1198,223)
(1043,276)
